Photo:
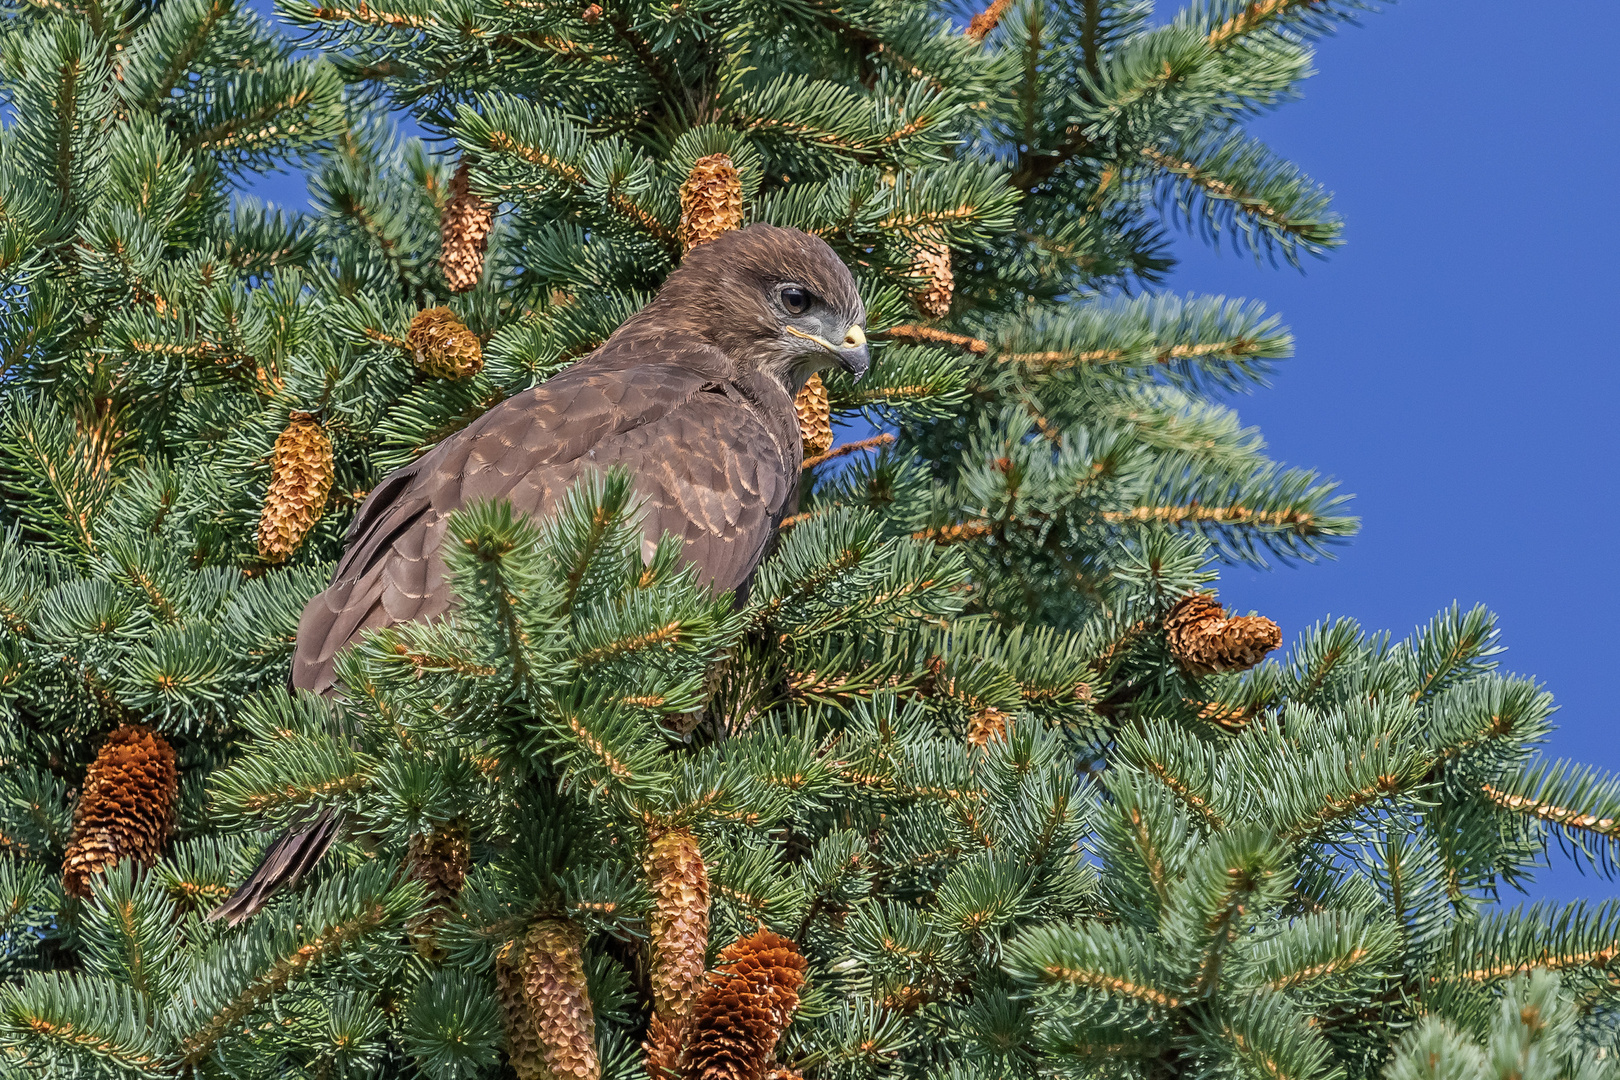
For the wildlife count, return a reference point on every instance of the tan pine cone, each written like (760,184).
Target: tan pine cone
(301,471)
(440,861)
(679,928)
(126,806)
(550,1028)
(744,1008)
(464,233)
(1206,641)
(711,201)
(932,262)
(442,346)
(522,1034)
(815,417)
(663,1046)
(987,725)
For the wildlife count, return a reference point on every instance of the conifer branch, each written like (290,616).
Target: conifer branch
(1184,792)
(365,15)
(933,335)
(1255,16)
(1564,816)
(1301,522)
(975,529)
(290,965)
(874,443)
(248,132)
(980,25)
(182,59)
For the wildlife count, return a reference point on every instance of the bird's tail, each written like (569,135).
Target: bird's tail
(287,860)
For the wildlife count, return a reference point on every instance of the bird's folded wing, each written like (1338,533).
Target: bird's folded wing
(705,463)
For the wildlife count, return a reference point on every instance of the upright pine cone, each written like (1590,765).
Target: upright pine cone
(522,1033)
(126,807)
(550,1028)
(742,1012)
(442,346)
(680,942)
(711,201)
(1205,641)
(464,233)
(440,861)
(300,479)
(815,417)
(987,725)
(933,263)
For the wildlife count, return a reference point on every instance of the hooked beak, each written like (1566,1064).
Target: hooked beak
(852,355)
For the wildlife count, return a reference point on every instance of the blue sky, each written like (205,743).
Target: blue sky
(1456,365)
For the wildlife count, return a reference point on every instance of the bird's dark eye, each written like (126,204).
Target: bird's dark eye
(795,299)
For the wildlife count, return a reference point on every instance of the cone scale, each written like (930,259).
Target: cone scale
(126,806)
(301,471)
(464,233)
(1205,641)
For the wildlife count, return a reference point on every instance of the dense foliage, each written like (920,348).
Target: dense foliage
(946,745)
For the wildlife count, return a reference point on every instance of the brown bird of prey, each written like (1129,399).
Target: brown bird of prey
(693,396)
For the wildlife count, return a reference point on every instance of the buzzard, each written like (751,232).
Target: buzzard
(693,396)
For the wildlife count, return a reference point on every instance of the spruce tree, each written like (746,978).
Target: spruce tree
(979,780)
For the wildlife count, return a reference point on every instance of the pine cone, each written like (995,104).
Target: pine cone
(815,417)
(986,725)
(1205,641)
(300,477)
(550,1028)
(711,201)
(442,346)
(680,941)
(522,1034)
(464,233)
(933,263)
(126,806)
(440,861)
(742,1012)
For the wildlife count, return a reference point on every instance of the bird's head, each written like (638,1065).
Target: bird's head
(777,300)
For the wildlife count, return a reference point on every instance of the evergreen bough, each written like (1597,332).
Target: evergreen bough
(944,750)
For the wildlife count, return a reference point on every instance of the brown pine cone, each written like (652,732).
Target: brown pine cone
(742,1012)
(464,233)
(711,201)
(933,263)
(1206,641)
(815,417)
(522,1033)
(442,346)
(126,806)
(551,1030)
(440,861)
(987,725)
(679,928)
(301,469)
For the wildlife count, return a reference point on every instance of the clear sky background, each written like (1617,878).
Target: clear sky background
(1458,360)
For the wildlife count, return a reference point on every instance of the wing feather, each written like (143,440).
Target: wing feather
(706,464)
